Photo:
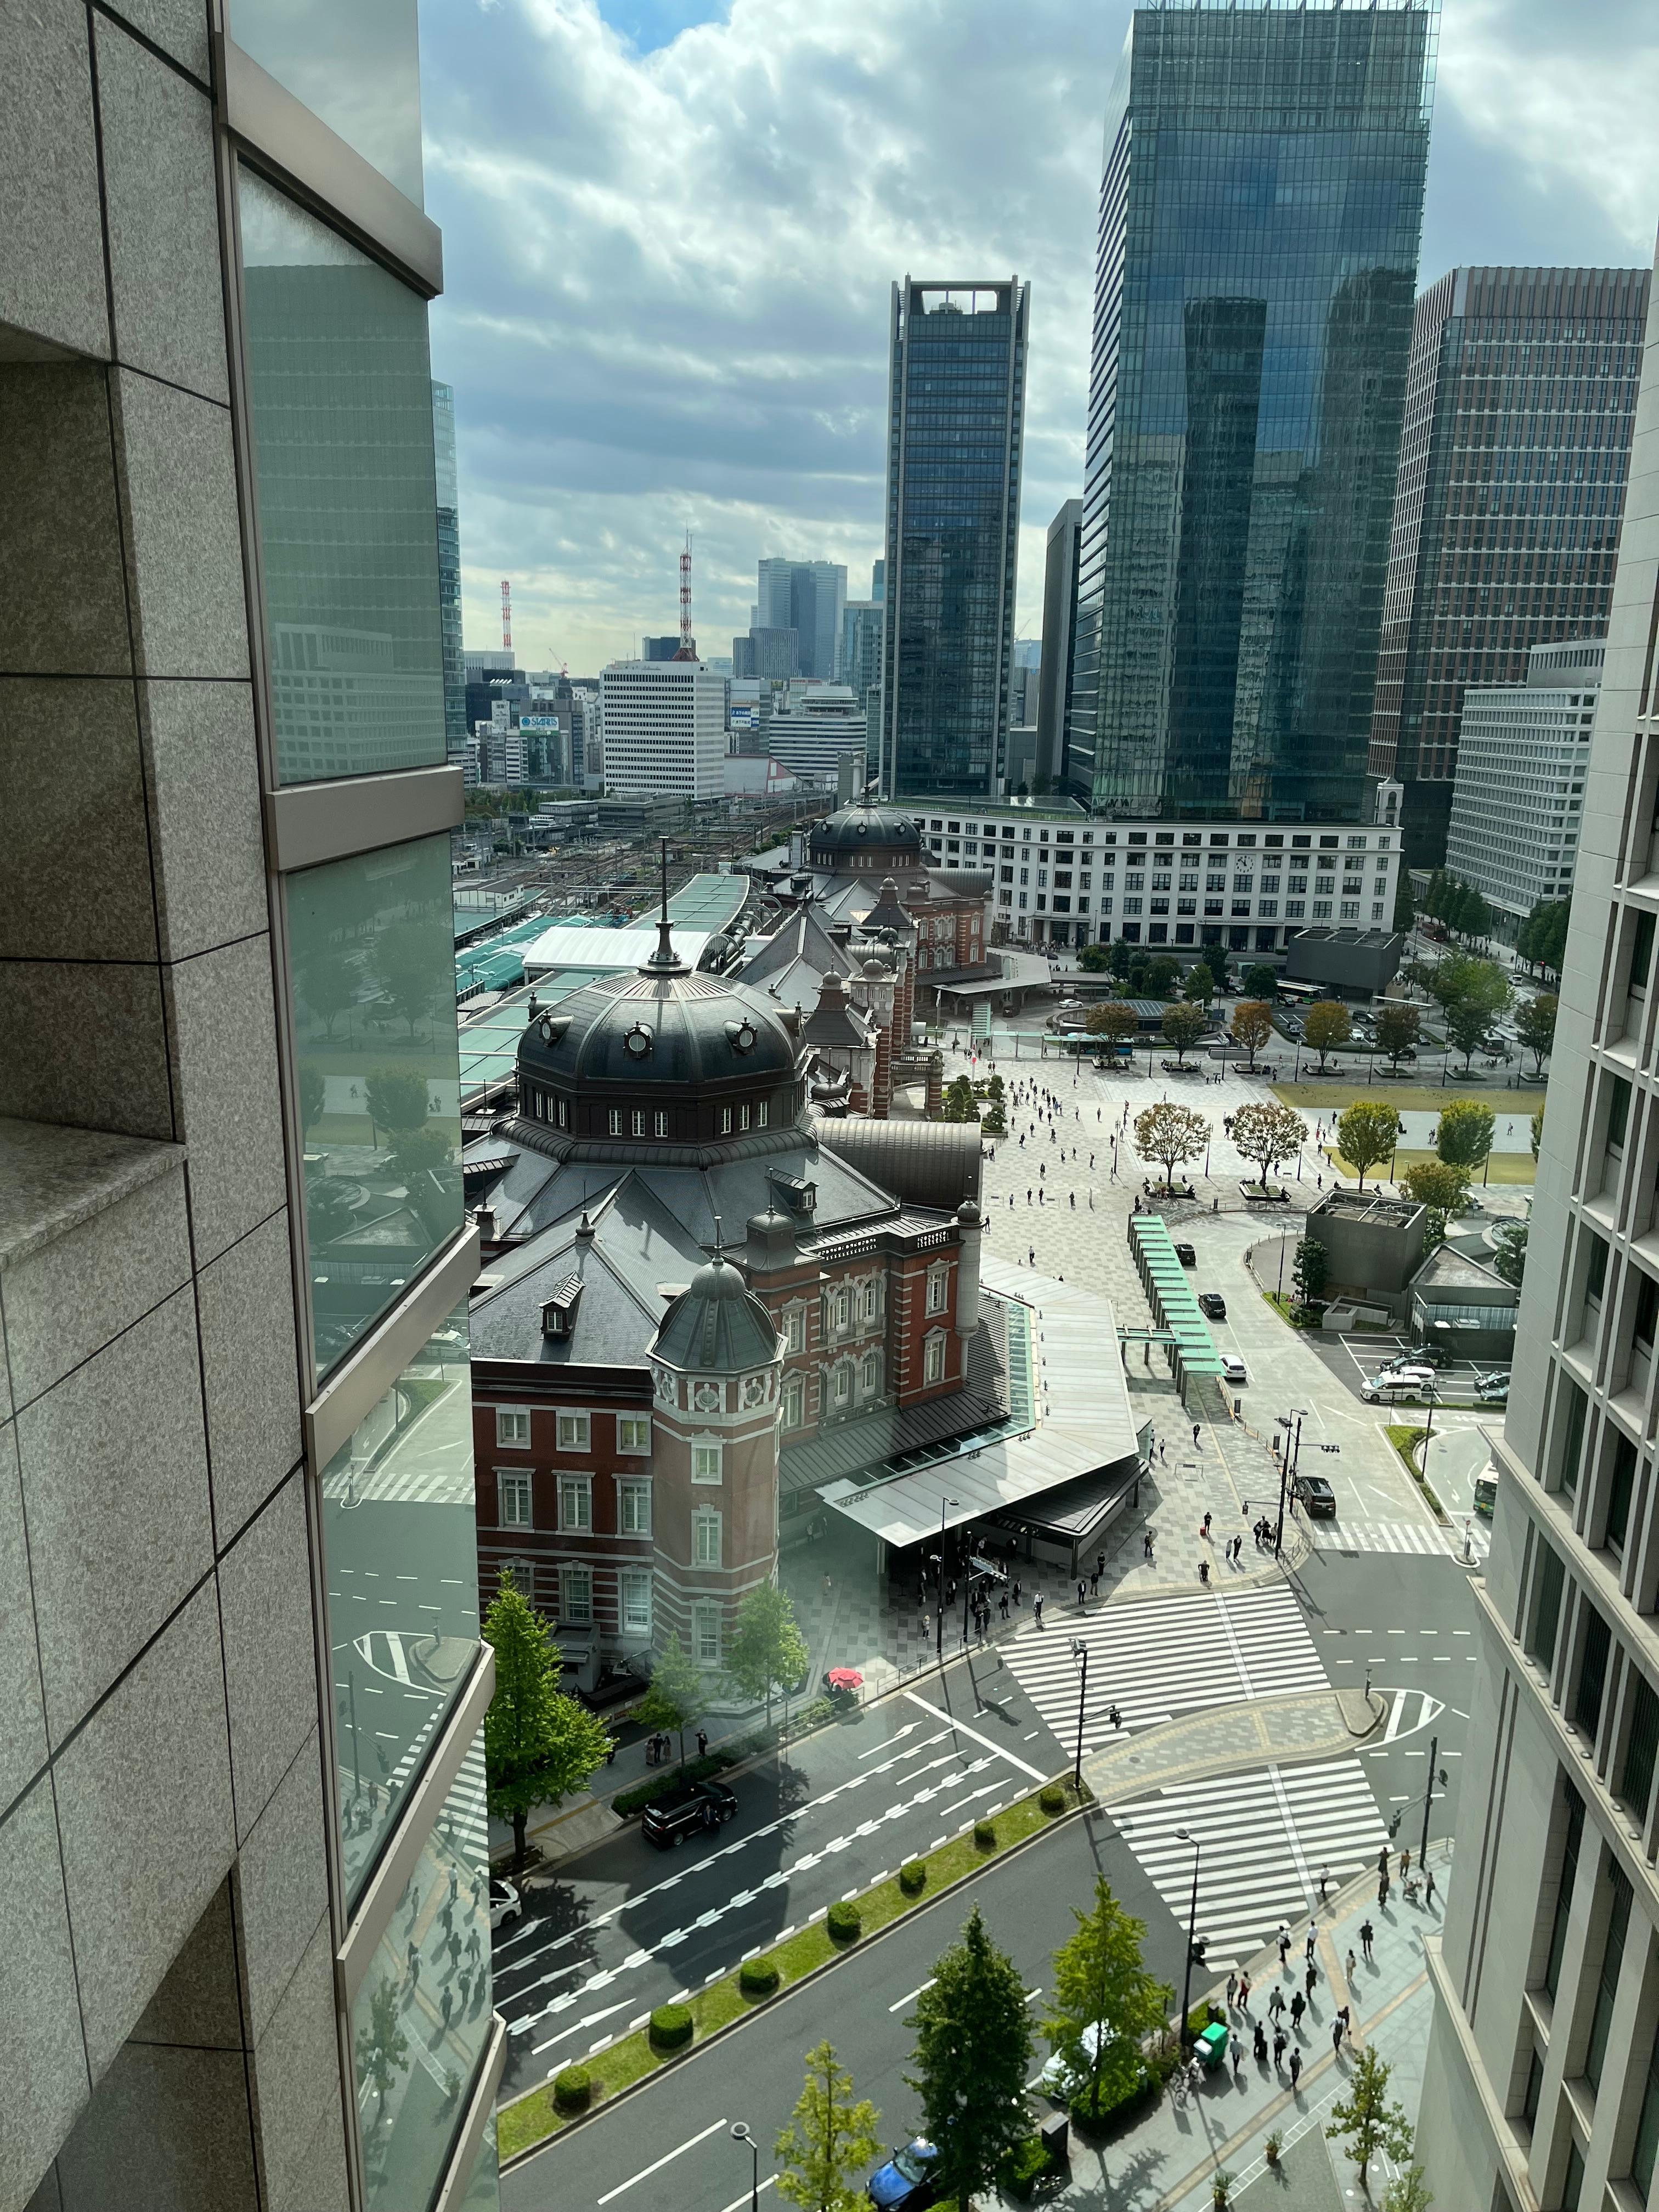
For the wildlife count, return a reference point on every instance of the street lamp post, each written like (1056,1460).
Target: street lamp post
(1290,1460)
(1080,1654)
(740,2134)
(1185,1836)
(943,1504)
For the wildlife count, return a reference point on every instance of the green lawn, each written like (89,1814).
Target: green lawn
(1502,1168)
(532,2117)
(1410,1098)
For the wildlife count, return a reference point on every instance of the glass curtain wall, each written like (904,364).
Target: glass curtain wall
(1260,210)
(357,67)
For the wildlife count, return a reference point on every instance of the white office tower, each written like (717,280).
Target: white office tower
(1521,752)
(1542,2082)
(665,728)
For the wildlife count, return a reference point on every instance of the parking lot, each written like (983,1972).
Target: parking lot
(1355,1358)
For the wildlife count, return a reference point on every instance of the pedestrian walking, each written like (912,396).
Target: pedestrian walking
(1276,2005)
(1238,2067)
(1336,2034)
(1383,1891)
(1037,1609)
(1093,1584)
(1260,2042)
(703,1743)
(1349,1963)
(1295,2069)
(1280,2041)
(1324,1882)
(1195,1434)
(1311,1977)
(1243,1993)
(1283,1940)
(1298,2006)
(1383,1860)
(1367,1936)
(1233,1989)
(1003,1602)
(1082,1591)
(1428,1884)
(1204,1572)
(1205,1531)
(1146,1543)
(1115,1716)
(1313,1939)
(1404,1862)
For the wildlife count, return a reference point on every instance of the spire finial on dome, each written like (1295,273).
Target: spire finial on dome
(665,961)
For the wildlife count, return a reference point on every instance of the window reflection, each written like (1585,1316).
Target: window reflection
(421,2019)
(372,950)
(357,67)
(403,1587)
(340,411)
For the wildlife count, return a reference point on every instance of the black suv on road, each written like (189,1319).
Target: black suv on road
(688,1812)
(1315,1495)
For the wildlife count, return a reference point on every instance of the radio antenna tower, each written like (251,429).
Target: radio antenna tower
(686,651)
(506,616)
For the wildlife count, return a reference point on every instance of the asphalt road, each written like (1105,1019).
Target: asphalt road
(672,2144)
(1409,1620)
(626,1927)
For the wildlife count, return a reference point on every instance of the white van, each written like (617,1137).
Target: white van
(1400,1382)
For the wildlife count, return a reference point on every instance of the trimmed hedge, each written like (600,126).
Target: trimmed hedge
(985,1835)
(913,1877)
(572,2089)
(1052,1797)
(670,2027)
(844,1921)
(759,1977)
(1133,2105)
(812,1714)
(1024,2167)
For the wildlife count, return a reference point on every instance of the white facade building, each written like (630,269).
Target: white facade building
(1062,878)
(665,728)
(812,724)
(1541,2086)
(1519,796)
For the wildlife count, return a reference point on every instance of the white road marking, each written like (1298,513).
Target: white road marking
(963,1729)
(914,1995)
(667,2159)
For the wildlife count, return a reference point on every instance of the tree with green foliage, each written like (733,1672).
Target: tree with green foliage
(1535,1024)
(1119,959)
(1509,1242)
(972,2060)
(1100,1982)
(1405,909)
(830,2142)
(765,1649)
(1170,1134)
(1184,1024)
(679,1695)
(1442,1189)
(1409,2191)
(993,1116)
(1308,1270)
(1541,939)
(1365,2121)
(397,1099)
(328,984)
(1252,1025)
(539,1745)
(1537,1130)
(1397,1030)
(1200,984)
(1367,1132)
(1465,1135)
(1095,960)
(959,1103)
(1115,1022)
(1327,1025)
(1260,981)
(1163,975)
(1268,1133)
(1472,995)
(382,2046)
(405,971)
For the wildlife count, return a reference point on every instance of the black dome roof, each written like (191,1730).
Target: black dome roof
(862,828)
(666,1027)
(717,1324)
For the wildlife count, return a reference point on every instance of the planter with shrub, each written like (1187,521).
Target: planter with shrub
(844,1922)
(985,1835)
(1024,2168)
(1052,1797)
(759,1977)
(913,1877)
(1271,2149)
(671,2026)
(572,2089)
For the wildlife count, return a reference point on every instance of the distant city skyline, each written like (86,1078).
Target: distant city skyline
(613,388)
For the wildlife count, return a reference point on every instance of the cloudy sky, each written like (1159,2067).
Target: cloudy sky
(670,226)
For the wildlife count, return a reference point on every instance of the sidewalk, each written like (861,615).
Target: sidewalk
(1169,2162)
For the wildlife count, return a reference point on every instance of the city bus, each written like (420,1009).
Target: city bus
(1486,1492)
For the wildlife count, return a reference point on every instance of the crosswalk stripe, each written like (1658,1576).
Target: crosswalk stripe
(1423,1538)
(1264,1835)
(1157,1658)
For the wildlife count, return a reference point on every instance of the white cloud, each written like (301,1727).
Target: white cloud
(669,273)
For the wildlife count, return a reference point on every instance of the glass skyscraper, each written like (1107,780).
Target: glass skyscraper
(449,571)
(958,413)
(1520,405)
(1260,211)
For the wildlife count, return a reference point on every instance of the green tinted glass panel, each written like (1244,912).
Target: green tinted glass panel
(400,1550)
(340,409)
(484,2190)
(357,67)
(370,943)
(421,2019)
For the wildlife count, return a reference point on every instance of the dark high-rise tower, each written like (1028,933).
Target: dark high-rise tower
(1059,613)
(1520,406)
(449,571)
(1260,210)
(957,409)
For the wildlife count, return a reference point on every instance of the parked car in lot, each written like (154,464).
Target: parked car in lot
(903,2185)
(1057,2079)
(1315,1495)
(1212,1305)
(505,1905)
(1420,1355)
(1493,1390)
(1232,1368)
(1403,1383)
(688,1812)
(1186,1255)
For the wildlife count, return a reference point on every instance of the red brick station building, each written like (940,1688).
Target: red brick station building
(706,1314)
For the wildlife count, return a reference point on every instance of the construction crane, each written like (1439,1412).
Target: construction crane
(506,616)
(687,652)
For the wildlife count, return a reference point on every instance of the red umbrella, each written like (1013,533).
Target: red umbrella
(846,1678)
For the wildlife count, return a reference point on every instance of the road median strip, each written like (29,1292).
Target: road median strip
(536,2117)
